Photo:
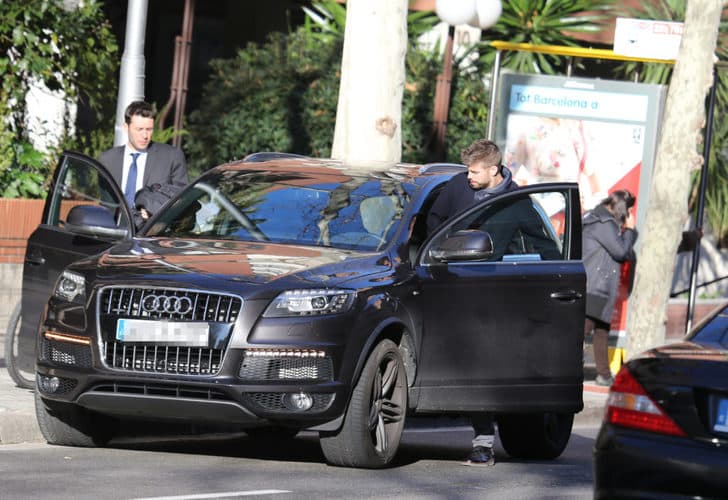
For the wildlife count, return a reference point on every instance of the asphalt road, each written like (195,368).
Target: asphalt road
(427,467)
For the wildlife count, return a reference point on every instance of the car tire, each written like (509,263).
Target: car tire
(535,436)
(370,434)
(69,425)
(22,378)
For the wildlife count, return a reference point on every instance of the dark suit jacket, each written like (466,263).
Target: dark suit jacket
(165,165)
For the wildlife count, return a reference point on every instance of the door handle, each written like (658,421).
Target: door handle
(568,296)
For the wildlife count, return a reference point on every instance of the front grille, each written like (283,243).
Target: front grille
(273,401)
(197,306)
(65,353)
(166,304)
(163,359)
(286,368)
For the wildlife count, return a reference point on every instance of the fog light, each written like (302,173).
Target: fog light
(298,401)
(48,384)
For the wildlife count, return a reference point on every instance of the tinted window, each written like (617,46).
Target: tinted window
(346,212)
(80,184)
(523,227)
(714,331)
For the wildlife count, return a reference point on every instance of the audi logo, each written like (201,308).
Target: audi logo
(164,304)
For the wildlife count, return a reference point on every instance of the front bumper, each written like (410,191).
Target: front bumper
(246,391)
(217,401)
(244,380)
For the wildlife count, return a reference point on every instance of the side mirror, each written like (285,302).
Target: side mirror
(467,244)
(94,220)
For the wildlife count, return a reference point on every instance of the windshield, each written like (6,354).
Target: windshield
(358,213)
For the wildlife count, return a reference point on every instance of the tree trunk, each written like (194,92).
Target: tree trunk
(676,157)
(369,112)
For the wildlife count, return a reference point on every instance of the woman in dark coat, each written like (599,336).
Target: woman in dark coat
(608,241)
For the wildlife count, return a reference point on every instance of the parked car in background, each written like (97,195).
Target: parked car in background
(292,293)
(665,431)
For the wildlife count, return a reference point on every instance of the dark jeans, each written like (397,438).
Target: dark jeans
(484,429)
(600,343)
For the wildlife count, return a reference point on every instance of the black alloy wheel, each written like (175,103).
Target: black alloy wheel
(374,421)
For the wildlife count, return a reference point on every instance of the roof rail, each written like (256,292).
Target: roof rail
(441,167)
(270,155)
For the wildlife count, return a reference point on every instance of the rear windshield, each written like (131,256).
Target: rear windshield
(714,332)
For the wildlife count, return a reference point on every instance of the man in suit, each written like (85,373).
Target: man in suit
(140,162)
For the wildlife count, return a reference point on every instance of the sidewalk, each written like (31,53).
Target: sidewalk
(18,423)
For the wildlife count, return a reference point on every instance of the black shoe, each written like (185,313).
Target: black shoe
(604,380)
(481,456)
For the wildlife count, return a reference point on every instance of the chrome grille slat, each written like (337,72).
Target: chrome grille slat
(116,302)
(142,358)
(131,302)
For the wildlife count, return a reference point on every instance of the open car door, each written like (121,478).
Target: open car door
(84,214)
(502,290)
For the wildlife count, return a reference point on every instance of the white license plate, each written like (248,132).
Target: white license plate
(721,419)
(189,334)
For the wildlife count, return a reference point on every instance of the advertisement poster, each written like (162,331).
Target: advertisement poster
(601,134)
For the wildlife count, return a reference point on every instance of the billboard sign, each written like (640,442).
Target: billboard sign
(601,134)
(647,39)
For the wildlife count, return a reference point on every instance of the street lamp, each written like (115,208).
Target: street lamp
(477,13)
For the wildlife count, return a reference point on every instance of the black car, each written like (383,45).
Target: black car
(292,293)
(665,432)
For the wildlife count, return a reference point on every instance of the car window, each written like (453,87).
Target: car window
(523,228)
(715,331)
(352,213)
(80,183)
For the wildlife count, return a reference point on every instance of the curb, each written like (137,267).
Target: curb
(17,413)
(595,399)
(19,427)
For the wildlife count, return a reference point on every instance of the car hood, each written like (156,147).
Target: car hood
(236,261)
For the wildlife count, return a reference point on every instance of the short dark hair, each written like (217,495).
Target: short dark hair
(618,203)
(482,150)
(139,108)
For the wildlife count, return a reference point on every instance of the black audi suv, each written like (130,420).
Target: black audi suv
(282,293)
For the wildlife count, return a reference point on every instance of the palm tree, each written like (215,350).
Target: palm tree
(544,22)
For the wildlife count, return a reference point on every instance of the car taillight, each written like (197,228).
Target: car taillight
(629,405)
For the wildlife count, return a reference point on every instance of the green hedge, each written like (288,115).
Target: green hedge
(282,96)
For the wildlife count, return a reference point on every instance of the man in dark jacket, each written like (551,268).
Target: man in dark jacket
(150,199)
(486,177)
(141,162)
(608,239)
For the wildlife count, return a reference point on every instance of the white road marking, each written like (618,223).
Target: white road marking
(218,495)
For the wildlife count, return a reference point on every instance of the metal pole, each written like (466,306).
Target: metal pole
(493,95)
(181,97)
(131,76)
(442,98)
(173,84)
(701,202)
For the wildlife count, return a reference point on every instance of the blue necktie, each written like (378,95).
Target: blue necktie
(131,177)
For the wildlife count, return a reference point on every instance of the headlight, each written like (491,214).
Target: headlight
(310,303)
(71,287)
